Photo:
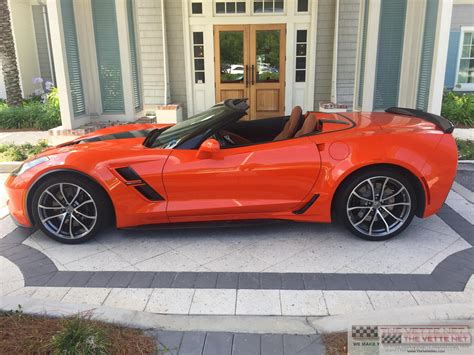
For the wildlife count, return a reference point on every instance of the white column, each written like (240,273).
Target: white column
(440,54)
(411,56)
(60,63)
(371,55)
(125,59)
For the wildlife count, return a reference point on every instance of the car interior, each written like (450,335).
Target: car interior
(246,132)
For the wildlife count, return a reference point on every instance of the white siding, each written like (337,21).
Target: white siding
(150,44)
(463,15)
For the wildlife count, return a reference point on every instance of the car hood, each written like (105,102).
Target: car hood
(117,138)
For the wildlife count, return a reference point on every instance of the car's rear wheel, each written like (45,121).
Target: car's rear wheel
(69,209)
(377,204)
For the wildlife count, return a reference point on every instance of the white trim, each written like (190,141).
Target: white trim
(311,58)
(440,54)
(464,86)
(334,54)
(360,28)
(165,54)
(411,56)
(371,54)
(188,55)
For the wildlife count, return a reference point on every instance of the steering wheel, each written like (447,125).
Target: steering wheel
(229,139)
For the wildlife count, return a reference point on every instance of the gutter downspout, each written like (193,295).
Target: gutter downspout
(165,52)
(334,55)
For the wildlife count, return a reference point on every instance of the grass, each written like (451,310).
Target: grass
(24,334)
(465,149)
(13,152)
(459,109)
(335,343)
(32,114)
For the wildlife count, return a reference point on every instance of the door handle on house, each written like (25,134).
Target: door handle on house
(253,74)
(247,76)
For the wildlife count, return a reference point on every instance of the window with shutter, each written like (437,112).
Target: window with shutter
(427,50)
(137,99)
(108,55)
(72,55)
(389,53)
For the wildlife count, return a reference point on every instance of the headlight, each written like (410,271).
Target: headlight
(28,165)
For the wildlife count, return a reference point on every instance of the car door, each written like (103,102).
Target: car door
(263,178)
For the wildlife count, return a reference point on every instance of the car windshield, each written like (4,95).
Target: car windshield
(172,136)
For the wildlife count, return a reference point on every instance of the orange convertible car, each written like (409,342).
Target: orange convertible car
(371,171)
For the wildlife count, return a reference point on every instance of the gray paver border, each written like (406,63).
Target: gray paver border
(451,274)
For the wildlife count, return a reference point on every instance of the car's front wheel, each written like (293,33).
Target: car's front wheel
(69,208)
(377,204)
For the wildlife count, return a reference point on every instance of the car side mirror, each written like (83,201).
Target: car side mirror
(208,148)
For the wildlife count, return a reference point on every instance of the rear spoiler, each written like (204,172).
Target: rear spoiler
(444,124)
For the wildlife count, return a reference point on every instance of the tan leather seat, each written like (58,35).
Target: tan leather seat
(310,124)
(292,125)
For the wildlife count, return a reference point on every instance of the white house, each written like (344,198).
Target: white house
(117,60)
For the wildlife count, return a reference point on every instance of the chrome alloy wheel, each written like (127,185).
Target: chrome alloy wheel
(378,206)
(67,210)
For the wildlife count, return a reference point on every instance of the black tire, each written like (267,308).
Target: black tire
(101,206)
(348,213)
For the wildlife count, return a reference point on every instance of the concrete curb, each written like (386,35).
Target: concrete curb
(9,166)
(419,315)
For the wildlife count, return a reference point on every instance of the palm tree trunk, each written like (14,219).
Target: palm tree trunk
(8,57)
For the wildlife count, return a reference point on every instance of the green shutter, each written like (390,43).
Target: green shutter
(427,50)
(362,56)
(108,55)
(137,100)
(72,54)
(389,53)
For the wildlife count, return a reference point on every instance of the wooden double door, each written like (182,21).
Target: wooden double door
(250,63)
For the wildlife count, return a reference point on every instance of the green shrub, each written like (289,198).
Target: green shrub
(465,149)
(80,336)
(459,108)
(32,113)
(13,152)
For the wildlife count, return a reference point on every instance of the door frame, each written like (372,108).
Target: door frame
(201,96)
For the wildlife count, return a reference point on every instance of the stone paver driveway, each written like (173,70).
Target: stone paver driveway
(268,269)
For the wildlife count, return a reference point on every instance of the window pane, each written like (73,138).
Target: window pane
(463,71)
(301,36)
(472,51)
(465,51)
(278,5)
(301,63)
(301,49)
(268,56)
(241,7)
(198,51)
(220,7)
(258,6)
(302,5)
(199,77)
(198,38)
(467,38)
(300,76)
(232,56)
(198,64)
(230,7)
(196,8)
(268,6)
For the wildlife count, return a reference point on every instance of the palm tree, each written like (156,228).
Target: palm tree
(8,57)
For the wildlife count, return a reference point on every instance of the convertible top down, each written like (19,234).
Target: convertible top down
(371,172)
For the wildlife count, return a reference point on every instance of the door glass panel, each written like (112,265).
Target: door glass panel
(232,56)
(268,56)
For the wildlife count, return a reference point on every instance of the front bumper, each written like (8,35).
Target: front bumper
(17,201)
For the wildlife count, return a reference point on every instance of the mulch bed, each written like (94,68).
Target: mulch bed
(335,343)
(25,334)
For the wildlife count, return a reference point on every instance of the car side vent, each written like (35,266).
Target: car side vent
(128,174)
(149,193)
